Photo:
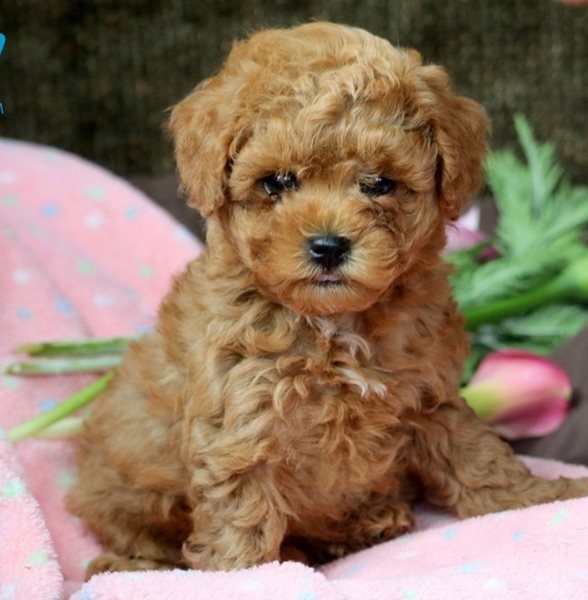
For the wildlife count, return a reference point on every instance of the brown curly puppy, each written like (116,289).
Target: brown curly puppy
(301,387)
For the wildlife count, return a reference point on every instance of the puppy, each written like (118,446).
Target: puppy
(300,389)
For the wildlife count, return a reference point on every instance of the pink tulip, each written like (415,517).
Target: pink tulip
(459,238)
(465,233)
(520,393)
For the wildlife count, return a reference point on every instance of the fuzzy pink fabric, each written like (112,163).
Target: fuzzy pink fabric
(84,254)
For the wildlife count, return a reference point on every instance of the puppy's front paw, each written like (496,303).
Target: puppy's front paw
(239,551)
(369,530)
(108,562)
(203,557)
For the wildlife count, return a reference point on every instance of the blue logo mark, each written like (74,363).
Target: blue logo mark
(2,42)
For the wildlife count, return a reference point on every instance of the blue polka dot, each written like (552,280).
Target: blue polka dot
(64,306)
(50,210)
(449,534)
(307,595)
(357,568)
(131,212)
(518,535)
(24,313)
(85,595)
(559,517)
(46,404)
(470,567)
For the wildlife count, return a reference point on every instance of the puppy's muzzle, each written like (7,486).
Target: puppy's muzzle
(329,252)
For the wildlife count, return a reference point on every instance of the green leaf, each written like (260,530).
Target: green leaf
(503,277)
(540,331)
(465,259)
(541,218)
(544,172)
(537,206)
(509,182)
(566,214)
(550,325)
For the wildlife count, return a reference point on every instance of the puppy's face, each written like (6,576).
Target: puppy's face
(332,160)
(328,215)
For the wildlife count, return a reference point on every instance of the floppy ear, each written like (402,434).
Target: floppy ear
(205,126)
(460,127)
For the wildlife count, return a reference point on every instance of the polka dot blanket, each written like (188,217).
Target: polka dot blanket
(84,254)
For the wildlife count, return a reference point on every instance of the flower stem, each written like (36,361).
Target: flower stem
(571,284)
(516,305)
(67,427)
(59,366)
(76,347)
(73,403)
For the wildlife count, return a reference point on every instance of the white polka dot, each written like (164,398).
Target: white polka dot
(50,155)
(252,585)
(7,177)
(181,233)
(494,583)
(21,276)
(8,591)
(94,220)
(102,300)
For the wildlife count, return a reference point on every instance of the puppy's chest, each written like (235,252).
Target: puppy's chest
(336,408)
(328,362)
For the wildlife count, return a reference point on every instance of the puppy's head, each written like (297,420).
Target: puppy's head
(331,160)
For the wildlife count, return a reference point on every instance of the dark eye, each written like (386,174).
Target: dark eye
(380,186)
(277,183)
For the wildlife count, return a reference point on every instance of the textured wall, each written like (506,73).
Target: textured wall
(96,77)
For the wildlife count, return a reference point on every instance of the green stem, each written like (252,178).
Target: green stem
(571,284)
(59,366)
(67,427)
(76,347)
(516,305)
(73,403)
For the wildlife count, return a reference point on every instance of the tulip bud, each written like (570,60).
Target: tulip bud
(460,238)
(464,233)
(520,393)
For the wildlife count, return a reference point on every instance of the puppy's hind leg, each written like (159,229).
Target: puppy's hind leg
(138,529)
(464,465)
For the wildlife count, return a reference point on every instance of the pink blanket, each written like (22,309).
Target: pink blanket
(84,254)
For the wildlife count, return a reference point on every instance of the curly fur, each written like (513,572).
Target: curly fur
(270,415)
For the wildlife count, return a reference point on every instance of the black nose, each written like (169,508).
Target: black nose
(328,251)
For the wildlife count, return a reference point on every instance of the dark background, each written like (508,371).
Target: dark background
(96,78)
